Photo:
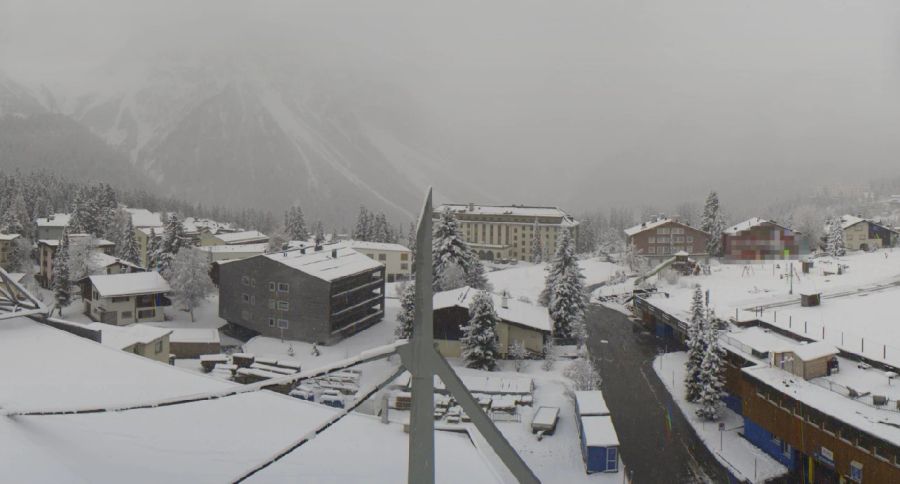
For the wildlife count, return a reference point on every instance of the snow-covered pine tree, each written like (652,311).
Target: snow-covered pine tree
(537,250)
(411,245)
(18,259)
(80,251)
(381,230)
(127,246)
(188,275)
(319,233)
(695,346)
(61,284)
(16,219)
(406,316)
(153,244)
(295,224)
(479,340)
(835,245)
(173,239)
(583,374)
(564,292)
(449,250)
(363,225)
(563,258)
(713,223)
(712,380)
(518,354)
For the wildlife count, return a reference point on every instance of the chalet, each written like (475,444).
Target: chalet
(47,249)
(396,259)
(866,234)
(757,239)
(317,296)
(520,321)
(101,263)
(233,238)
(663,238)
(52,226)
(6,246)
(125,298)
(140,339)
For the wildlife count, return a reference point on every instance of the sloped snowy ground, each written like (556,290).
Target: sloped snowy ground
(528,281)
(743,459)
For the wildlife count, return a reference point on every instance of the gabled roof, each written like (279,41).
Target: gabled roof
(55,220)
(749,224)
(323,264)
(245,236)
(9,236)
(516,312)
(655,223)
(131,284)
(141,217)
(848,221)
(98,242)
(99,260)
(813,351)
(121,337)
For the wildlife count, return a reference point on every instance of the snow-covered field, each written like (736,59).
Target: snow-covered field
(528,281)
(742,458)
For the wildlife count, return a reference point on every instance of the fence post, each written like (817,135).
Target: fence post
(884,352)
(805,324)
(823,331)
(862,345)
(775,315)
(842,338)
(790,322)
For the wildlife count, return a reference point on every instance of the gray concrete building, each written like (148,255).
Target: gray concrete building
(303,294)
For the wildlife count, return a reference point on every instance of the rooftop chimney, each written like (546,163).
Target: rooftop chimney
(504,300)
(303,250)
(334,253)
(471,207)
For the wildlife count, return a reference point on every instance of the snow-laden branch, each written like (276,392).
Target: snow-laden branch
(365,357)
(321,428)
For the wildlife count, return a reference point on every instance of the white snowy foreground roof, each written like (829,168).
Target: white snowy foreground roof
(236,237)
(210,441)
(599,432)
(322,265)
(55,220)
(109,285)
(141,217)
(591,403)
(518,312)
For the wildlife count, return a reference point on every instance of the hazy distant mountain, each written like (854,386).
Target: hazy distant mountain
(224,130)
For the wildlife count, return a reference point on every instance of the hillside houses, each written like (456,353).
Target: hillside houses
(52,226)
(47,249)
(125,298)
(303,294)
(397,259)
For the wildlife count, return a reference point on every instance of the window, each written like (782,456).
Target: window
(272,286)
(271,304)
(252,282)
(651,249)
(404,266)
(284,287)
(159,346)
(146,313)
(283,305)
(382,257)
(651,240)
(119,299)
(612,459)
(282,324)
(689,239)
(127,314)
(245,297)
(271,322)
(245,280)
(404,256)
(856,473)
(253,300)
(662,231)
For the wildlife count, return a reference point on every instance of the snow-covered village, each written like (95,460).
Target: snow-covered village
(449,242)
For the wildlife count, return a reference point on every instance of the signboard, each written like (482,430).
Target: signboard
(826,456)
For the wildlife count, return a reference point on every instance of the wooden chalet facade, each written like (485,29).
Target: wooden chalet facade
(663,238)
(759,240)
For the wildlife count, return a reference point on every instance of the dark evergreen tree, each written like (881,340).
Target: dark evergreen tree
(711,378)
(713,223)
(480,345)
(61,285)
(450,253)
(127,246)
(295,225)
(406,316)
(173,239)
(537,249)
(319,233)
(363,228)
(695,346)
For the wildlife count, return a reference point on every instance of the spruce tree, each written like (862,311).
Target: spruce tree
(537,250)
(450,250)
(711,378)
(406,316)
(363,225)
(127,246)
(381,231)
(153,242)
(835,245)
(695,346)
(295,225)
(479,341)
(564,292)
(563,257)
(173,239)
(713,223)
(319,233)
(411,242)
(61,284)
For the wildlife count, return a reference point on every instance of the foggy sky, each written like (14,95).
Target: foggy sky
(577,103)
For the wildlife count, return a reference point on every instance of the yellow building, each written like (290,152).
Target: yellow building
(865,234)
(6,245)
(506,232)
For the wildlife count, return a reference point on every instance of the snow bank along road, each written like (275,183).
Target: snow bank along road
(641,406)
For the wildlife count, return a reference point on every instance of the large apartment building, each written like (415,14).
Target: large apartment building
(506,232)
(662,238)
(303,294)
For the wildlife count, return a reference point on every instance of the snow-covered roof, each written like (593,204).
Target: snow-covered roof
(99,260)
(109,285)
(517,312)
(749,224)
(591,403)
(364,245)
(258,248)
(646,226)
(323,265)
(814,351)
(141,217)
(98,242)
(55,220)
(9,237)
(244,236)
(848,221)
(599,432)
(182,443)
(194,335)
(121,337)
(517,210)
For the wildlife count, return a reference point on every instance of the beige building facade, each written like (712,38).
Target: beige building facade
(396,259)
(506,232)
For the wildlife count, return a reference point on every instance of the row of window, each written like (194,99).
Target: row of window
(665,249)
(273,303)
(280,323)
(676,239)
(670,230)
(273,286)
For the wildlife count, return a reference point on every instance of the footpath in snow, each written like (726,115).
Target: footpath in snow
(743,459)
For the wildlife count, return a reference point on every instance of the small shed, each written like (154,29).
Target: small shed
(599,444)
(544,420)
(194,342)
(590,403)
(810,298)
(806,360)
